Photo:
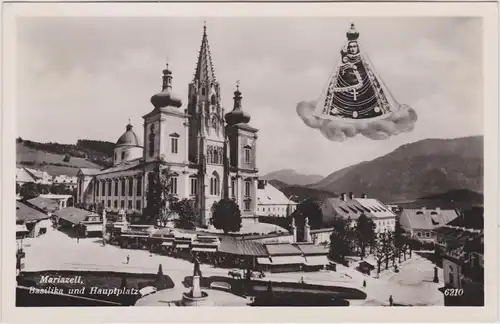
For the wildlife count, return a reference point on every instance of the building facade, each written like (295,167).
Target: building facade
(68,181)
(212,154)
(462,252)
(272,202)
(347,206)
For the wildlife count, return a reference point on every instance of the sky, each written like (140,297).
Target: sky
(84,77)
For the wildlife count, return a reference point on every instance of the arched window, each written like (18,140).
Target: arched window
(209,156)
(152,140)
(215,157)
(123,155)
(214,184)
(202,91)
(212,100)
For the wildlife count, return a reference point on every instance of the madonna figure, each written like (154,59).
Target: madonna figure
(354,92)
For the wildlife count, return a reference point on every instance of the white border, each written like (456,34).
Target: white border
(11,314)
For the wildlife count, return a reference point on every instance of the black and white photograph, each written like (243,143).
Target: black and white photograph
(253,161)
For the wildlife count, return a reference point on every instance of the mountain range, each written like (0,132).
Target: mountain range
(292,177)
(423,170)
(412,171)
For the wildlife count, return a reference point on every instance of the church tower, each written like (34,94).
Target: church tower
(242,158)
(165,127)
(206,131)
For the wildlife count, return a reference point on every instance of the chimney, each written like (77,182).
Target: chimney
(438,209)
(343,196)
(364,196)
(351,196)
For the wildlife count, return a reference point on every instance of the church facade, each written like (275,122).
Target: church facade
(212,154)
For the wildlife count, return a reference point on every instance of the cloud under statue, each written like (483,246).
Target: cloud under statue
(356,101)
(399,121)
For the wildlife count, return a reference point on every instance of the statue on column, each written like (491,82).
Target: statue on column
(196,271)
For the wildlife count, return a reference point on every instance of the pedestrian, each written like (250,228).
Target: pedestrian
(364,283)
(78,239)
(390,300)
(128,258)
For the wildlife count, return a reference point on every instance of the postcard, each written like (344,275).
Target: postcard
(303,159)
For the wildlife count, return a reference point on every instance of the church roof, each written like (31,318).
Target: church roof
(355,90)
(125,166)
(204,68)
(88,171)
(129,138)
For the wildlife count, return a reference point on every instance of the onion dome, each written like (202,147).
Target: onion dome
(166,98)
(129,138)
(237,115)
(352,34)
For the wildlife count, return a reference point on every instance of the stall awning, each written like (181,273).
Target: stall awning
(182,246)
(94,228)
(264,261)
(134,235)
(316,260)
(287,259)
(167,243)
(204,249)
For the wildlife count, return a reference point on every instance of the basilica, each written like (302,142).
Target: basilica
(212,154)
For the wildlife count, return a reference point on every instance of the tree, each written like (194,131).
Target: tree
(308,208)
(365,232)
(67,158)
(186,212)
(159,195)
(226,215)
(389,250)
(43,188)
(378,249)
(29,190)
(340,239)
(399,239)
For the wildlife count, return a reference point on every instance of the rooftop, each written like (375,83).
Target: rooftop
(73,215)
(426,219)
(26,213)
(271,195)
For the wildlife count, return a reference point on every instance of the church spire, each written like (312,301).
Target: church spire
(204,67)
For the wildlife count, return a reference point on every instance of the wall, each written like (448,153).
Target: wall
(131,153)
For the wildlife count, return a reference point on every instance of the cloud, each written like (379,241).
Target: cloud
(399,121)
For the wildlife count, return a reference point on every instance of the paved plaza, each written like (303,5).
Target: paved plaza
(56,251)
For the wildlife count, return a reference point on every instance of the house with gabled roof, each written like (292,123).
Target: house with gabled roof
(350,207)
(421,223)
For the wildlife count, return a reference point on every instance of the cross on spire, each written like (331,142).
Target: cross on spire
(238,85)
